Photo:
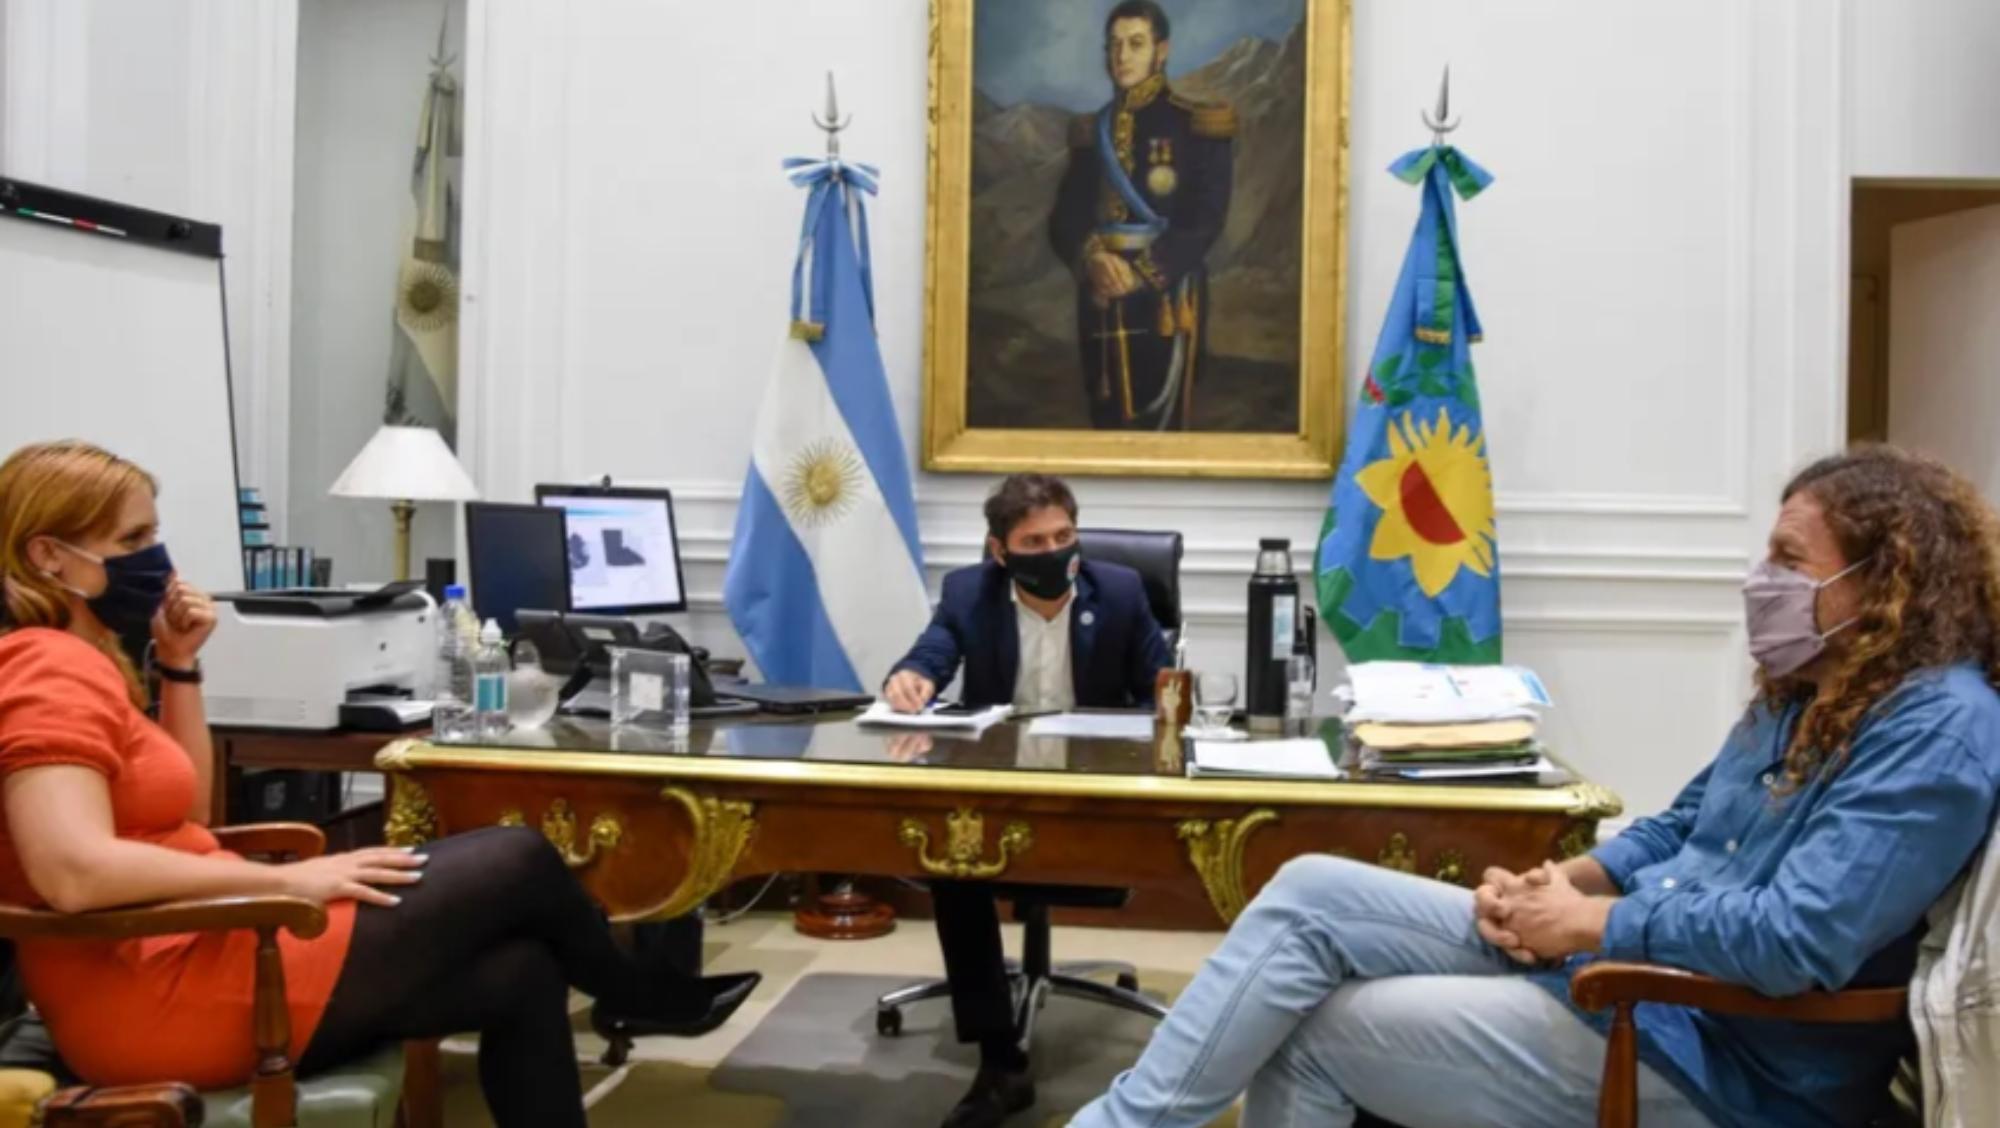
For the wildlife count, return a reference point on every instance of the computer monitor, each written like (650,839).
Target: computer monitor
(624,550)
(517,561)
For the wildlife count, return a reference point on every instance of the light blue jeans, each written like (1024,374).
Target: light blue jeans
(1347,985)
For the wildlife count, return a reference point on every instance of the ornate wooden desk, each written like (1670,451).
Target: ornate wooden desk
(654,826)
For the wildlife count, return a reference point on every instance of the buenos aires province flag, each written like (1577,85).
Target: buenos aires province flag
(825,582)
(1409,555)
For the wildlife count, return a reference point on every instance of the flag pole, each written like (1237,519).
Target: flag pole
(842,912)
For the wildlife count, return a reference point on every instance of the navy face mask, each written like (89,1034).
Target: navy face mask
(135,585)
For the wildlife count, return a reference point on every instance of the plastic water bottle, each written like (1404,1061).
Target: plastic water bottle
(490,668)
(457,636)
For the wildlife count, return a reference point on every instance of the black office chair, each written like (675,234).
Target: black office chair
(1157,559)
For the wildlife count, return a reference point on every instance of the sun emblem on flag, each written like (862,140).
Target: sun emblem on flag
(1436,495)
(426,297)
(823,482)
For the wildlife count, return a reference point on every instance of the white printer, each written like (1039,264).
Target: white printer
(290,659)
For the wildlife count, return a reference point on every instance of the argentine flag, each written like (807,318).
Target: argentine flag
(826,580)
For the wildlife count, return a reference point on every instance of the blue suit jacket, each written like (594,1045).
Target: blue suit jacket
(1115,647)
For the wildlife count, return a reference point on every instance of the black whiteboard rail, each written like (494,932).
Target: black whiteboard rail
(38,203)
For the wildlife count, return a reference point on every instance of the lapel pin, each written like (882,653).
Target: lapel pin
(1089,617)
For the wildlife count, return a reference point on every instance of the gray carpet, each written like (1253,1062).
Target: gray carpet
(818,1052)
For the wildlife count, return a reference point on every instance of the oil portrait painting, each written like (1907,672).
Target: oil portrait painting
(1136,256)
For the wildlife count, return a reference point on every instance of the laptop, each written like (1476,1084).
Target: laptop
(795,699)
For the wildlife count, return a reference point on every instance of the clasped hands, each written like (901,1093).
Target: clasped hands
(1538,915)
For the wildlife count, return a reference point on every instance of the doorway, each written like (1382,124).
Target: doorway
(1924,364)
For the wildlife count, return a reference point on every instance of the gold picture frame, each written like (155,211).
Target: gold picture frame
(951,444)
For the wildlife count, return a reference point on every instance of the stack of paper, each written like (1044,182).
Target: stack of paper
(1426,693)
(1101,726)
(881,714)
(1455,763)
(1419,721)
(1282,759)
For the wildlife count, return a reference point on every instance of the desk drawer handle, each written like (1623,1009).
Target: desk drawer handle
(965,842)
(559,827)
(1398,854)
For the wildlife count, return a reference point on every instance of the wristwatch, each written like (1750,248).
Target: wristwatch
(184,677)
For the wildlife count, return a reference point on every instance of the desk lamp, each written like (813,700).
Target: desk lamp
(405,465)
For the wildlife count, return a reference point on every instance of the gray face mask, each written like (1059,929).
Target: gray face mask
(1780,608)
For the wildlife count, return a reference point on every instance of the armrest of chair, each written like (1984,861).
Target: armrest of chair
(274,1097)
(293,914)
(1610,984)
(1622,986)
(295,840)
(127,1106)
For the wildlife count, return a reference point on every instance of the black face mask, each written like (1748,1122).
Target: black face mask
(1044,575)
(135,585)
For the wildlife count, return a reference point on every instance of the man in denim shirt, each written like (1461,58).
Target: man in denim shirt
(1858,784)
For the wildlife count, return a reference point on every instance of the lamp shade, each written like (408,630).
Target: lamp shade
(406,464)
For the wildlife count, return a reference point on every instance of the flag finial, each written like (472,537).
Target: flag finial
(1442,123)
(832,123)
(441,58)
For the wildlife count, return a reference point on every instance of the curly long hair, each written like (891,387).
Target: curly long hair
(1929,548)
(69,490)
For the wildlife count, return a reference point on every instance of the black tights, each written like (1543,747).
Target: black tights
(490,940)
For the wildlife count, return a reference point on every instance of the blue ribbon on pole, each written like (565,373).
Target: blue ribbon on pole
(828,177)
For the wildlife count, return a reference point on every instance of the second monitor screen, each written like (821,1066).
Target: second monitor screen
(623,555)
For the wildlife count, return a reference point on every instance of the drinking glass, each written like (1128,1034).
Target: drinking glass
(1214,701)
(532,693)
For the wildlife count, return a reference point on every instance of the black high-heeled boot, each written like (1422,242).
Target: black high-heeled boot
(725,994)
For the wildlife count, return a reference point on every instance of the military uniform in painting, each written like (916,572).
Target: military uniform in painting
(1148,180)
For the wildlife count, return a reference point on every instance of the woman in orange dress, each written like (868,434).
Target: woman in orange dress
(104,807)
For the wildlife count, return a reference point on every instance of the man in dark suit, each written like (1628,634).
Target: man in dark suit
(1144,198)
(1037,627)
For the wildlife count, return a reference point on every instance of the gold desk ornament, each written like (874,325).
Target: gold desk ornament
(1398,854)
(965,845)
(559,827)
(1577,841)
(1451,867)
(719,830)
(1594,801)
(395,756)
(1215,849)
(412,820)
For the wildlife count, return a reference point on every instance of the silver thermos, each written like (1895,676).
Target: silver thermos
(1274,635)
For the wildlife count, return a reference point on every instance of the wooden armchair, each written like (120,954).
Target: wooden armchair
(273,1094)
(1622,986)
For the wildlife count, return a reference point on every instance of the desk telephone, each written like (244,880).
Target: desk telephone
(661,637)
(579,646)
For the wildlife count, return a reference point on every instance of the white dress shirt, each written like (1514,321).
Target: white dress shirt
(1043,684)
